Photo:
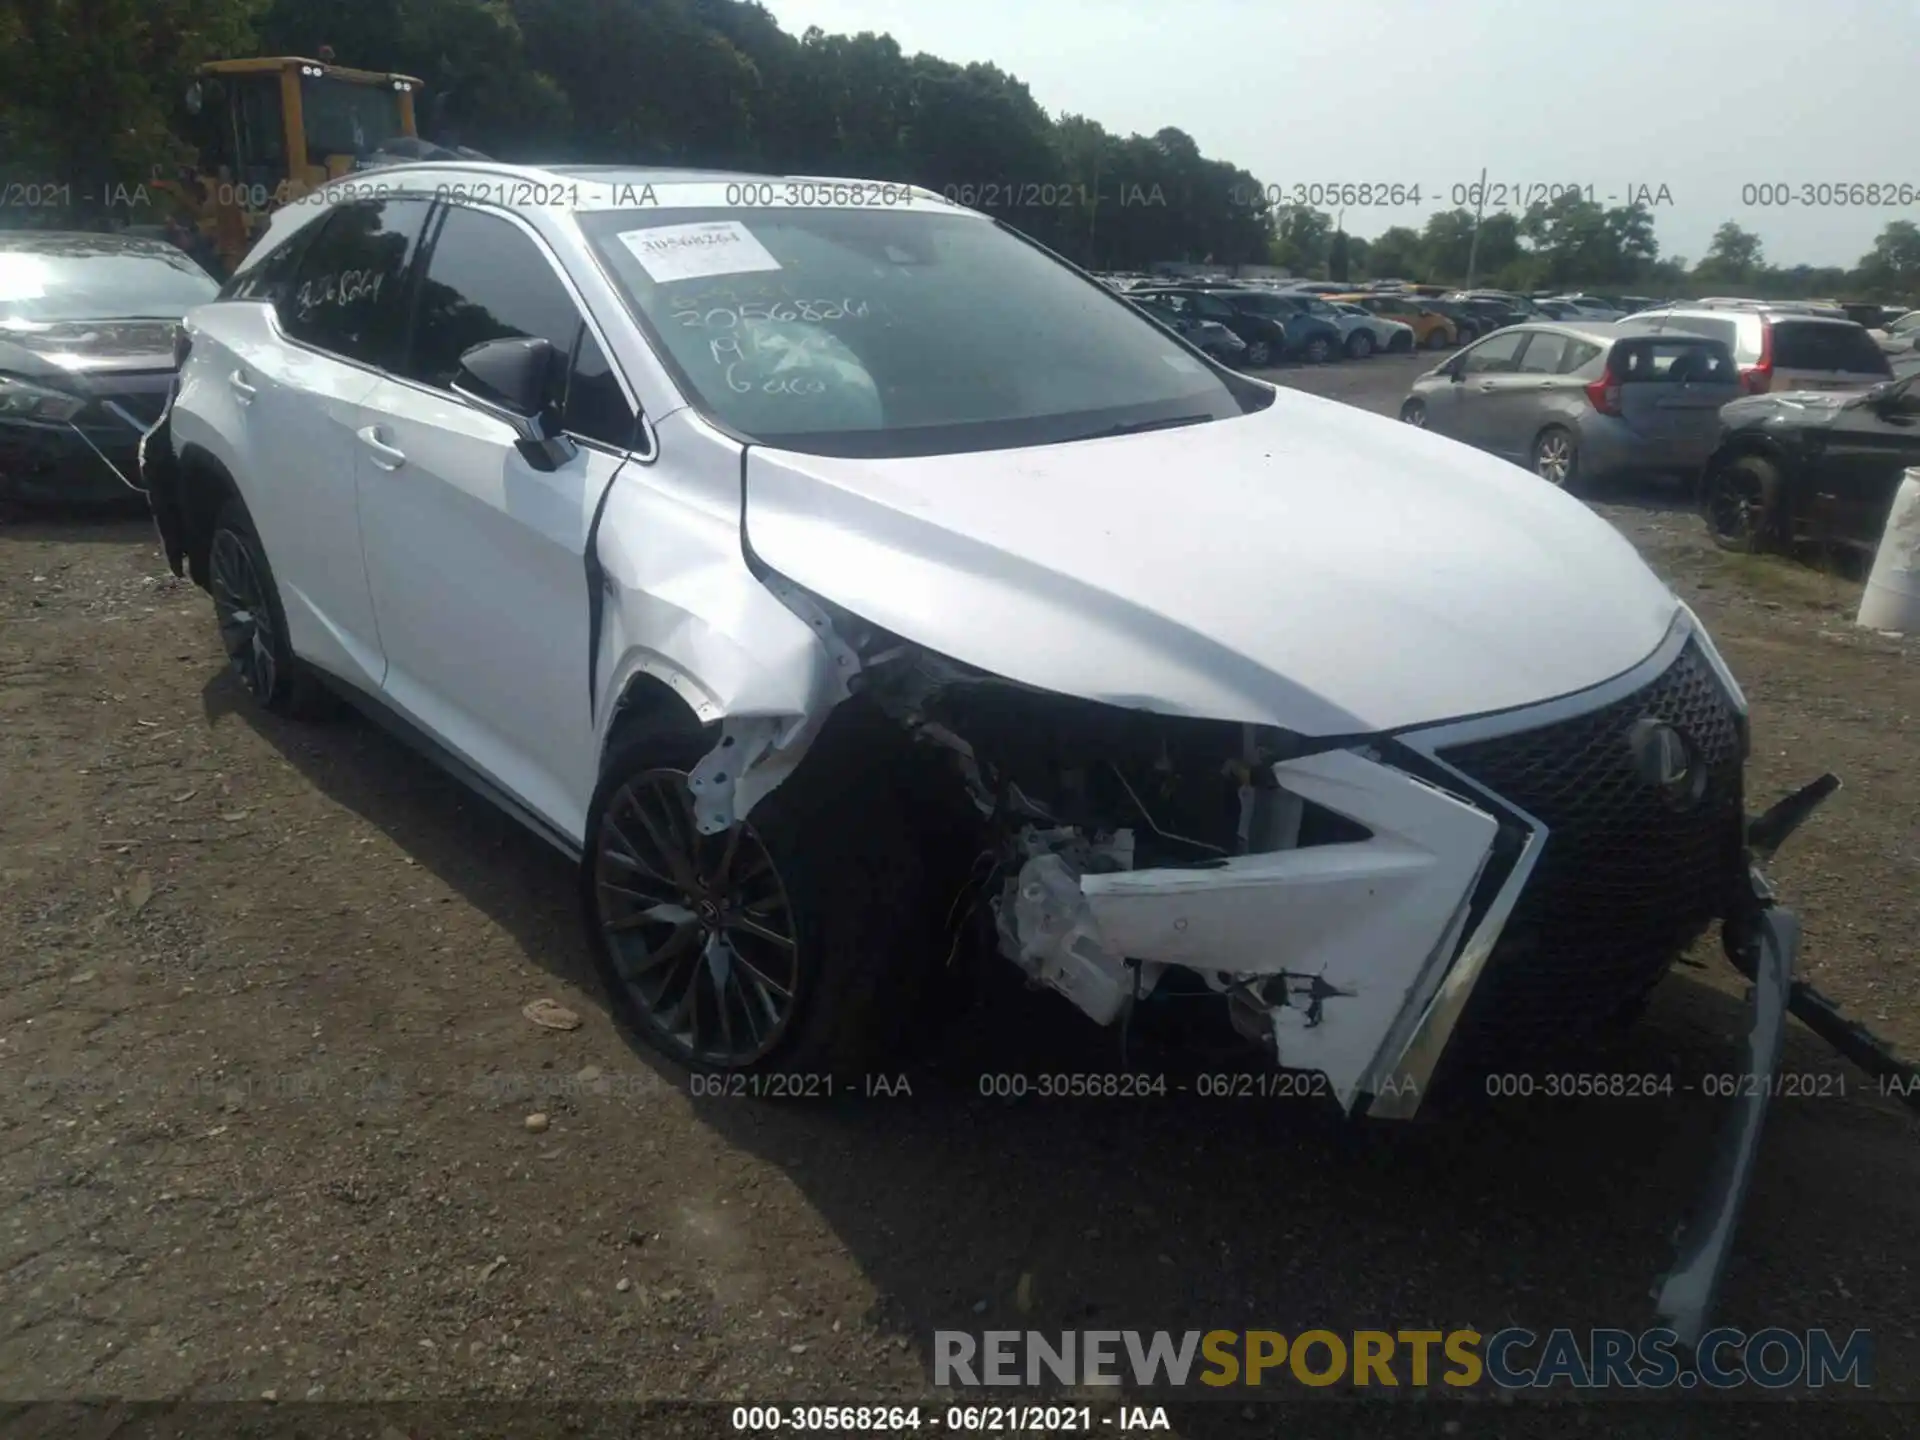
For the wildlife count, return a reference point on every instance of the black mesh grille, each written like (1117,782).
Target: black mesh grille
(1627,877)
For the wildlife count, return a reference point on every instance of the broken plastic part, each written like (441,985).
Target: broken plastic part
(1048,931)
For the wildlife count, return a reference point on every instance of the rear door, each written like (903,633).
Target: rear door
(1671,391)
(298,376)
(1810,354)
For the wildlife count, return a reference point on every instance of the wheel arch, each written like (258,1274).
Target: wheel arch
(205,484)
(1750,445)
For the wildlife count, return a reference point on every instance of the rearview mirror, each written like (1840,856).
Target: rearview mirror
(511,380)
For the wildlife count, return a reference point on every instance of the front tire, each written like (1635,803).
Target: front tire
(1740,502)
(1437,340)
(1414,413)
(253,624)
(1259,355)
(1316,351)
(795,942)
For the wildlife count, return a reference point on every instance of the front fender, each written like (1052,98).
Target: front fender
(682,608)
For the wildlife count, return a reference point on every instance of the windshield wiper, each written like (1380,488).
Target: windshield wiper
(1140,426)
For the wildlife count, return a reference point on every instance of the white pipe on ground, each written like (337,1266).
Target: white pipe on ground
(1892,597)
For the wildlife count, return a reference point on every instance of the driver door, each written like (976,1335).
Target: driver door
(1460,410)
(476,559)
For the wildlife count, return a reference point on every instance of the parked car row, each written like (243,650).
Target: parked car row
(1789,423)
(1275,322)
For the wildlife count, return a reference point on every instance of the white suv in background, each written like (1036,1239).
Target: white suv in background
(1777,347)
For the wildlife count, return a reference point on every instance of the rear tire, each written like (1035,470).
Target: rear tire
(1740,501)
(1317,351)
(805,948)
(1556,457)
(253,624)
(1359,345)
(1437,340)
(1259,355)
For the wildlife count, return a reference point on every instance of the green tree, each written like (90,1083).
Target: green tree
(1302,238)
(1892,267)
(1733,258)
(89,89)
(1400,252)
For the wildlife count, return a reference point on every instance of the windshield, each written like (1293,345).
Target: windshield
(883,332)
(344,118)
(37,287)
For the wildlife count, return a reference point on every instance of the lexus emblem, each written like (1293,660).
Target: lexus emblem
(1663,759)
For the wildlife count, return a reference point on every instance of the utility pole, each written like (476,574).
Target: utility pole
(1473,247)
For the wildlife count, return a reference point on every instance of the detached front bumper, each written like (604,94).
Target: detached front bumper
(63,464)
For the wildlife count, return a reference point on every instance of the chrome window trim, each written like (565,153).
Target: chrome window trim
(1403,1083)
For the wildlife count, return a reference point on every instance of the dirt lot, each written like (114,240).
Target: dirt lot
(267,1077)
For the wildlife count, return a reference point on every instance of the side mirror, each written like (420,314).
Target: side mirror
(511,380)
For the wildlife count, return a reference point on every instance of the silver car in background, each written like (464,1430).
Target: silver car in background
(1582,402)
(1366,332)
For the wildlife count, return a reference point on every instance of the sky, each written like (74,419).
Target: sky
(1706,98)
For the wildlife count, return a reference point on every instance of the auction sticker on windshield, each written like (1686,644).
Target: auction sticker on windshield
(692,252)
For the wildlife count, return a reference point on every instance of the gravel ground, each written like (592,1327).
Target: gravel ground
(268,1080)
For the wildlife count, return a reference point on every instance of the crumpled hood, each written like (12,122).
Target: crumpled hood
(1309,566)
(86,347)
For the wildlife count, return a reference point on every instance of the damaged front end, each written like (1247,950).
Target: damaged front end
(1366,907)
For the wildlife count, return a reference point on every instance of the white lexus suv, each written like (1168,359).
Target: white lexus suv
(819,561)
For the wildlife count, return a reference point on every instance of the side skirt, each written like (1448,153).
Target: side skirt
(431,750)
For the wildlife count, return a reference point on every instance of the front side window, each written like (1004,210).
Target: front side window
(346,294)
(487,279)
(885,332)
(1494,355)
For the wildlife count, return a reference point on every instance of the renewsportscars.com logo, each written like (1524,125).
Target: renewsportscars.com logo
(1510,1359)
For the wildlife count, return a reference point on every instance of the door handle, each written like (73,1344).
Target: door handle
(384,455)
(238,380)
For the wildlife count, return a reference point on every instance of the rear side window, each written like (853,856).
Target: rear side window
(1672,361)
(346,294)
(1811,345)
(272,277)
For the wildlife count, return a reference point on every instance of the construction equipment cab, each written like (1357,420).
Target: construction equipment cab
(270,129)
